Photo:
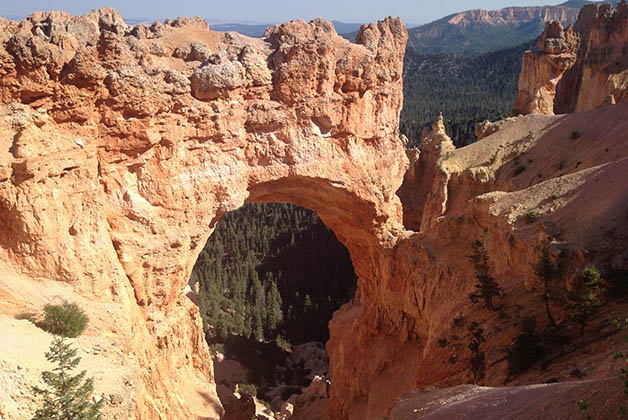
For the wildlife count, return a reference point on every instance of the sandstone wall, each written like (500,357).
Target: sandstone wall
(579,68)
(122,147)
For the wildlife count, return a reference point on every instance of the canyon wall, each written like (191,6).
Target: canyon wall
(516,15)
(578,68)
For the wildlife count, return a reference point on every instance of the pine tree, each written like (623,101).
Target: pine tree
(273,307)
(68,396)
(487,287)
(588,300)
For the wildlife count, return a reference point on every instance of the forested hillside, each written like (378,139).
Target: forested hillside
(465,89)
(269,270)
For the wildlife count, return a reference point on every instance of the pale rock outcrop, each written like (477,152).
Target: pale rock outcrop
(486,127)
(578,68)
(516,15)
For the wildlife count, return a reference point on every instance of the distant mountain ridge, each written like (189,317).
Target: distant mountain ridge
(477,31)
(257,30)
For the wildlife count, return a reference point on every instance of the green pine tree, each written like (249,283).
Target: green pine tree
(67,396)
(487,287)
(588,300)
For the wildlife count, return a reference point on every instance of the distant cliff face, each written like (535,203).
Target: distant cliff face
(479,31)
(578,68)
(516,15)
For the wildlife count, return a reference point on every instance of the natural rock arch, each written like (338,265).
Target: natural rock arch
(130,143)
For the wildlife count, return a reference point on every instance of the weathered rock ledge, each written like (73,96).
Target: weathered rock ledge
(122,147)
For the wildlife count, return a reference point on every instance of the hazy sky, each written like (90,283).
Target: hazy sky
(268,11)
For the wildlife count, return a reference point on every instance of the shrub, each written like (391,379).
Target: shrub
(68,397)
(487,287)
(67,320)
(250,389)
(574,135)
(547,271)
(527,348)
(532,215)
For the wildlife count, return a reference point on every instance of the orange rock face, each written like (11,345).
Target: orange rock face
(579,68)
(122,146)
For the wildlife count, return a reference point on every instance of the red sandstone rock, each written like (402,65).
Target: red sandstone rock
(123,146)
(579,68)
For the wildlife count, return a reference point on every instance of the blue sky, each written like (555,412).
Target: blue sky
(269,11)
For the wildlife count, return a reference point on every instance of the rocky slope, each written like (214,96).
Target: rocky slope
(578,68)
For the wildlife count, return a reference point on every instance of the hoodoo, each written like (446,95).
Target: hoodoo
(578,68)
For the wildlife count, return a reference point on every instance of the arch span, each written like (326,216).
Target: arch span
(125,145)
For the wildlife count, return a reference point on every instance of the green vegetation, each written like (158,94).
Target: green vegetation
(587,301)
(467,90)
(574,135)
(532,216)
(250,389)
(473,38)
(270,270)
(527,348)
(487,287)
(67,396)
(67,320)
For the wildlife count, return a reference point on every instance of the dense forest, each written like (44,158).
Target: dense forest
(465,89)
(272,270)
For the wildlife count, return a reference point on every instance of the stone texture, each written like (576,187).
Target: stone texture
(541,70)
(579,68)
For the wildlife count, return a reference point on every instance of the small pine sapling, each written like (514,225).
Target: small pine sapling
(67,396)
(588,300)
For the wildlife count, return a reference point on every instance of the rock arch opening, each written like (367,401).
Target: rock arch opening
(267,284)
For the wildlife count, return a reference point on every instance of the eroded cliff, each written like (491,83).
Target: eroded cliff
(578,68)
